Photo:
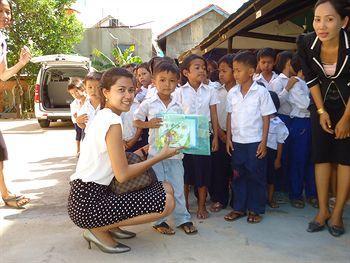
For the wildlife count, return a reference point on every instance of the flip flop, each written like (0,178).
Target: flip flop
(17,200)
(253,218)
(186,227)
(216,207)
(233,216)
(164,229)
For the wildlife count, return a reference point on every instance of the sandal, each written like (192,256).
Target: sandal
(188,228)
(164,229)
(313,202)
(15,201)
(253,218)
(216,207)
(273,204)
(297,203)
(234,215)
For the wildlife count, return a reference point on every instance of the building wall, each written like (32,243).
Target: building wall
(100,39)
(192,34)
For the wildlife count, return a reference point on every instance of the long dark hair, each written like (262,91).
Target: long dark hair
(109,78)
(342,7)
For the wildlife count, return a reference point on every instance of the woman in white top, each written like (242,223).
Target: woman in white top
(91,204)
(9,199)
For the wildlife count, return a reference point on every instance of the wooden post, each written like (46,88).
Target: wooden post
(229,45)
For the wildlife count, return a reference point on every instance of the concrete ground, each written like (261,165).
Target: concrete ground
(41,161)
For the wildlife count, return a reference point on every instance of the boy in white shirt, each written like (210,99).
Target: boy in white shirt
(92,103)
(165,77)
(278,134)
(301,168)
(76,90)
(266,60)
(249,106)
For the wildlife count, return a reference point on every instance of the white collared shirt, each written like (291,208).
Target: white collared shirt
(221,107)
(299,99)
(278,133)
(247,112)
(91,112)
(75,106)
(260,78)
(279,87)
(152,108)
(129,130)
(94,164)
(214,84)
(151,91)
(141,95)
(198,101)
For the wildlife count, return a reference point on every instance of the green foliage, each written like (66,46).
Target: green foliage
(45,27)
(101,61)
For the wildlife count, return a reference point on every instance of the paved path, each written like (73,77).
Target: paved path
(41,161)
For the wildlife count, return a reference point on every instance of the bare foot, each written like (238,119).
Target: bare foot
(202,213)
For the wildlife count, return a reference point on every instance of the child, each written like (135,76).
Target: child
(281,86)
(198,98)
(221,167)
(165,78)
(143,74)
(301,170)
(92,103)
(76,90)
(266,61)
(249,106)
(131,134)
(278,133)
(11,200)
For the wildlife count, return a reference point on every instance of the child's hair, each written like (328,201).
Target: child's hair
(227,59)
(165,66)
(275,99)
(93,76)
(154,61)
(266,52)
(76,84)
(342,7)
(282,59)
(109,78)
(185,65)
(295,63)
(144,65)
(246,58)
(212,63)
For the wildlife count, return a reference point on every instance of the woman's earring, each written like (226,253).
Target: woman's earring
(106,100)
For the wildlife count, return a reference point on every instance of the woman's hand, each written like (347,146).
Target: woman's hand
(342,129)
(325,122)
(25,56)
(168,152)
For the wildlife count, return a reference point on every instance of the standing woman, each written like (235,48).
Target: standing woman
(5,73)
(325,56)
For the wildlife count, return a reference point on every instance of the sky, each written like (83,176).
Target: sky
(161,13)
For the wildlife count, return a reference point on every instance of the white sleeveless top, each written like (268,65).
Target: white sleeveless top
(94,164)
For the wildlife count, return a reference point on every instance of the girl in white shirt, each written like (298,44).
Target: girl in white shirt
(91,204)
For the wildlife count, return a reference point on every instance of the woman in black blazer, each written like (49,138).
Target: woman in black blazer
(325,56)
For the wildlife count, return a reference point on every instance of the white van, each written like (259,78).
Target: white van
(51,100)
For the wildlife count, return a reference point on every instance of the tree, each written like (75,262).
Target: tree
(101,61)
(46,27)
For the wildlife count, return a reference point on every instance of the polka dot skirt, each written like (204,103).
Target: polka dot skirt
(93,205)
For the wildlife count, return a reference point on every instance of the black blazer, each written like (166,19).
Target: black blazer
(309,49)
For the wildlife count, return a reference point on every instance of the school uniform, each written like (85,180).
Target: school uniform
(140,96)
(278,133)
(335,92)
(221,161)
(301,169)
(171,169)
(198,102)
(129,130)
(91,203)
(279,87)
(249,187)
(74,109)
(91,112)
(267,84)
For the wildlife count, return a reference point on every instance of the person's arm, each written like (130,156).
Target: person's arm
(278,162)
(262,149)
(342,129)
(299,96)
(229,144)
(6,73)
(215,126)
(130,143)
(121,169)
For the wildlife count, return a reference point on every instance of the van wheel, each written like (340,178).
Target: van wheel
(44,123)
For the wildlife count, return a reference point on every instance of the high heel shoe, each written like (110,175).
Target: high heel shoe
(90,237)
(121,234)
